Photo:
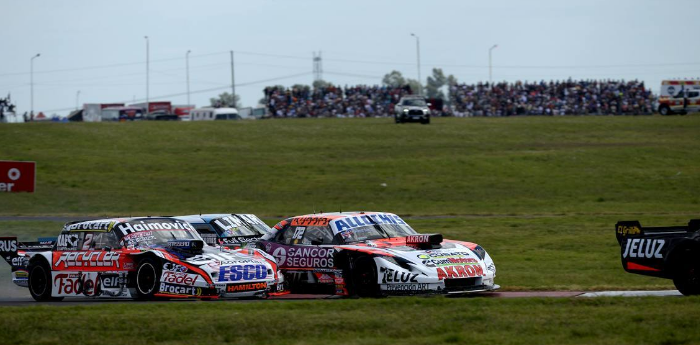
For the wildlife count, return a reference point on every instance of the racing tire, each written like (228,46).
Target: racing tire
(39,282)
(687,278)
(147,279)
(364,278)
(664,110)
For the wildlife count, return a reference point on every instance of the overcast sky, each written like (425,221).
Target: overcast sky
(98,47)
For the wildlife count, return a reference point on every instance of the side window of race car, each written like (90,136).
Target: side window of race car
(290,234)
(98,240)
(317,235)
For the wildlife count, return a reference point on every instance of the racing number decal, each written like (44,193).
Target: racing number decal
(298,234)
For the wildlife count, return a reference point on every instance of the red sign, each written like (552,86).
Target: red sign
(17,176)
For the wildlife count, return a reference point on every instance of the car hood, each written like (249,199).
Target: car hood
(449,252)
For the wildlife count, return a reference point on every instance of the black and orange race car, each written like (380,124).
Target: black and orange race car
(374,254)
(671,252)
(141,258)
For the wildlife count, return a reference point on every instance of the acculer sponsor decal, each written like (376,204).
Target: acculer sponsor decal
(304,256)
(242,272)
(644,248)
(131,227)
(171,277)
(347,223)
(246,287)
(460,271)
(393,276)
(88,259)
(8,245)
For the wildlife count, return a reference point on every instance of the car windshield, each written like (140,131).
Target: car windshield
(240,225)
(414,102)
(150,233)
(371,227)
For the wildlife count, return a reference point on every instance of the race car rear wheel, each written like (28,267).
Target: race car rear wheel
(364,278)
(147,279)
(40,282)
(687,278)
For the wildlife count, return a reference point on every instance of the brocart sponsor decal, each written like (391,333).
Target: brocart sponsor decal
(465,271)
(297,257)
(168,289)
(644,248)
(171,277)
(348,223)
(169,266)
(145,225)
(86,259)
(90,226)
(8,244)
(242,272)
(246,287)
(390,275)
(407,287)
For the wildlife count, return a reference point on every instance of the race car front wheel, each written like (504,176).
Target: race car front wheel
(364,278)
(147,276)
(40,282)
(687,278)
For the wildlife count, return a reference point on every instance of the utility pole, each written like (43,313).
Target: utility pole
(418,61)
(490,79)
(187,63)
(233,84)
(318,66)
(148,70)
(31,84)
(77,96)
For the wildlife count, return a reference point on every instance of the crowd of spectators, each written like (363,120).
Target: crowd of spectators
(333,101)
(569,97)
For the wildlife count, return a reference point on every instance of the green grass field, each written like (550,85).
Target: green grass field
(541,194)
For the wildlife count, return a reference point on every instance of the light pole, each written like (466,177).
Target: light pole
(31,84)
(77,96)
(418,61)
(147,73)
(187,65)
(233,84)
(491,49)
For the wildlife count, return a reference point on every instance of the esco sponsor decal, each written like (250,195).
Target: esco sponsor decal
(171,277)
(644,248)
(242,272)
(465,271)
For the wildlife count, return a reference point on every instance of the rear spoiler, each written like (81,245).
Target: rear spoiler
(633,228)
(10,247)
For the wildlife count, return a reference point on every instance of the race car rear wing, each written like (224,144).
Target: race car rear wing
(10,247)
(633,228)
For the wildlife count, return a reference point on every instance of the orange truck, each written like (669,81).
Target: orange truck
(679,97)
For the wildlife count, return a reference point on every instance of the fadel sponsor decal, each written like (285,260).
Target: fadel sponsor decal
(246,287)
(8,244)
(407,287)
(460,271)
(131,227)
(171,277)
(88,259)
(644,248)
(304,256)
(393,276)
(242,272)
(74,284)
(168,289)
(347,223)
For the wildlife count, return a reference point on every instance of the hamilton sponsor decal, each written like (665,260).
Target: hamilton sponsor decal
(231,288)
(644,248)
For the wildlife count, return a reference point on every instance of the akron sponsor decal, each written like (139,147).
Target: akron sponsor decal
(171,277)
(88,259)
(304,256)
(246,287)
(393,276)
(168,289)
(644,248)
(242,272)
(465,271)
